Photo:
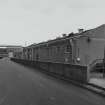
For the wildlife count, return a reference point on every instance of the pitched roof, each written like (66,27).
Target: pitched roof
(98,32)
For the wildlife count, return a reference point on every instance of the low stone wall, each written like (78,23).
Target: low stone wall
(68,71)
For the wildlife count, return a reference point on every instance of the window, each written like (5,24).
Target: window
(58,49)
(68,48)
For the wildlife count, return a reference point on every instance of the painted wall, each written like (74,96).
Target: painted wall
(54,52)
(89,50)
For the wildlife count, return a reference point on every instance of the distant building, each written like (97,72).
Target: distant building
(8,50)
(3,52)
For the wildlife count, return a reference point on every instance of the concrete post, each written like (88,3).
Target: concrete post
(88,73)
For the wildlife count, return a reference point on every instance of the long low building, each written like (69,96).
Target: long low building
(85,48)
(3,52)
(8,50)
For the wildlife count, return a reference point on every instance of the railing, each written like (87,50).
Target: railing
(94,63)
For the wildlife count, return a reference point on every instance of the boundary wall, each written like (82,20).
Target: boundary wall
(68,71)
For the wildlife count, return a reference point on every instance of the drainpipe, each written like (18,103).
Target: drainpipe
(104,64)
(71,43)
(88,73)
(104,68)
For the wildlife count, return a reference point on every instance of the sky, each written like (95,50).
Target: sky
(23,22)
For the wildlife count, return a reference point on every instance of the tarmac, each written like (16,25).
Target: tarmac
(96,85)
(23,85)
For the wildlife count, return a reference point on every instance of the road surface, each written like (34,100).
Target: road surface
(20,85)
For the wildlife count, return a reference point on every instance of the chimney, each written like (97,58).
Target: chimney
(64,35)
(80,30)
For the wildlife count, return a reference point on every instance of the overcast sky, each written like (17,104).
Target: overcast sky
(33,21)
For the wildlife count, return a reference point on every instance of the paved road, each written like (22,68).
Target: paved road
(20,85)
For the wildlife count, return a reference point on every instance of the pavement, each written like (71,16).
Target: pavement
(20,85)
(98,81)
